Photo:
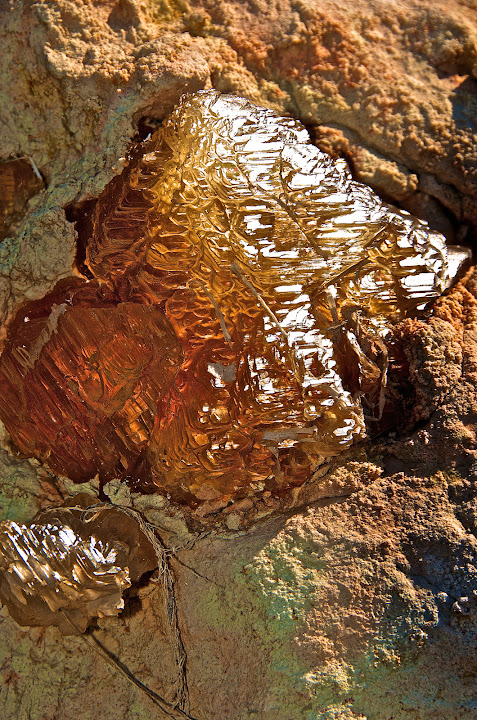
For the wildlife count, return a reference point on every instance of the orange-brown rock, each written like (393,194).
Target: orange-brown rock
(18,183)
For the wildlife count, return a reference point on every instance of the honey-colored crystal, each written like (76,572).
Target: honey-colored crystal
(81,377)
(67,560)
(250,282)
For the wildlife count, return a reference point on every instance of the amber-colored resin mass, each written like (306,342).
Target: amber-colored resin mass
(235,335)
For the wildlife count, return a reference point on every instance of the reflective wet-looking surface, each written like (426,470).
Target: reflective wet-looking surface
(233,332)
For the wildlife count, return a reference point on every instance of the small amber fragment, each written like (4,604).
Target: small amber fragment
(18,183)
(230,235)
(67,560)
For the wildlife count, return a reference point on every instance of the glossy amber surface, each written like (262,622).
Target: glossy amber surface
(246,283)
(67,560)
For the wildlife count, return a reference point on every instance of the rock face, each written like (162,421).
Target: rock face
(360,606)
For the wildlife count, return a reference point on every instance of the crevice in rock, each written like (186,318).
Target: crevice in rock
(167,708)
(81,216)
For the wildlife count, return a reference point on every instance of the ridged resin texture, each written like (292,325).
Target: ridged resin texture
(233,333)
(65,561)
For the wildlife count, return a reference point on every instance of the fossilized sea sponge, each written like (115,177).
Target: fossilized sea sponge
(233,332)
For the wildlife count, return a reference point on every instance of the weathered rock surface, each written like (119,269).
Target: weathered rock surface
(359,607)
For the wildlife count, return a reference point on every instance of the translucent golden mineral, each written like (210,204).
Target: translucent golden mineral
(272,277)
(67,560)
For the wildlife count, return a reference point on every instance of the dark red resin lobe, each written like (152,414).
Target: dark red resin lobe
(81,378)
